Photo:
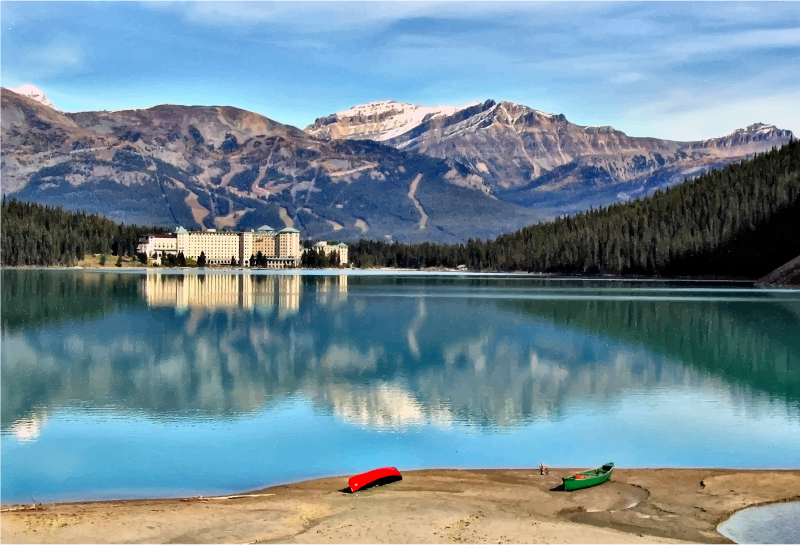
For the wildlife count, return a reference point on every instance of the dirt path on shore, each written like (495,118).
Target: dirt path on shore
(436,506)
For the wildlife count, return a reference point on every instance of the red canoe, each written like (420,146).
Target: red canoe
(365,479)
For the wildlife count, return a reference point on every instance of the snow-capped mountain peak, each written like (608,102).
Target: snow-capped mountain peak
(755,138)
(380,121)
(33,92)
(375,108)
(755,128)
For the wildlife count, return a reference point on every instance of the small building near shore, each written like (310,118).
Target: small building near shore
(340,249)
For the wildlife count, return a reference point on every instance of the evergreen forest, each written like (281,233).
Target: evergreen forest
(38,235)
(739,221)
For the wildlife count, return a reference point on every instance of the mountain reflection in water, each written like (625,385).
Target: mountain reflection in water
(379,352)
(120,384)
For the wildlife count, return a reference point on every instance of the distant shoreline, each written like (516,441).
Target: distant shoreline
(383,270)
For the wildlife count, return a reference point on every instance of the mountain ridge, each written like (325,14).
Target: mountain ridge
(543,161)
(486,167)
(227,168)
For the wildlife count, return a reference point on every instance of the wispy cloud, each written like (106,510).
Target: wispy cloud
(57,57)
(713,118)
(354,13)
(631,65)
(754,39)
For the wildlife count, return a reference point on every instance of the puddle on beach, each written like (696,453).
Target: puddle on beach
(775,523)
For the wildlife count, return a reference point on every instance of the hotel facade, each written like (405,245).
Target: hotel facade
(281,249)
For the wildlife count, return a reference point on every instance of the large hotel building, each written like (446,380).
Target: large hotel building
(281,249)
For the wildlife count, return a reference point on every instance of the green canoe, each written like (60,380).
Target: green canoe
(590,477)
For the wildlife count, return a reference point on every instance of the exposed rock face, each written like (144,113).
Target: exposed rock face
(378,121)
(542,160)
(222,167)
(786,275)
(756,138)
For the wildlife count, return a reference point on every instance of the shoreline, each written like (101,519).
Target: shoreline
(656,505)
(383,270)
(344,478)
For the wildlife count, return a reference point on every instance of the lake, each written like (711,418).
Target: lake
(133,384)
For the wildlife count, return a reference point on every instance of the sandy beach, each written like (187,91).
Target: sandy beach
(432,506)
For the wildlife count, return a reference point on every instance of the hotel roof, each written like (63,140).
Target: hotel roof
(288,230)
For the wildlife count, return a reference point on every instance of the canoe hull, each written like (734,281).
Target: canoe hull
(374,477)
(587,479)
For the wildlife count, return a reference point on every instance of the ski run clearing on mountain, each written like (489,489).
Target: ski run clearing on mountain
(412,192)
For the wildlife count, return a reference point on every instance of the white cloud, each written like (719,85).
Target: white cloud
(354,13)
(58,54)
(753,39)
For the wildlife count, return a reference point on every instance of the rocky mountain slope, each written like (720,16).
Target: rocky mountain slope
(222,167)
(542,160)
(384,170)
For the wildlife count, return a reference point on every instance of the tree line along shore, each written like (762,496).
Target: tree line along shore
(741,221)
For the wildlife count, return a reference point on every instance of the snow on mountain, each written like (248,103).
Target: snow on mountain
(33,92)
(755,138)
(755,128)
(379,121)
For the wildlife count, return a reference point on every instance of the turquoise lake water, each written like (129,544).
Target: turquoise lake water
(121,385)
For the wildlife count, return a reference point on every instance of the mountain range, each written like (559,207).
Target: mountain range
(383,170)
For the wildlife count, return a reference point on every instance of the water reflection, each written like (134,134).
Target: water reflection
(222,291)
(213,346)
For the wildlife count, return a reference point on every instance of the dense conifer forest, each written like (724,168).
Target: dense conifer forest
(742,220)
(33,234)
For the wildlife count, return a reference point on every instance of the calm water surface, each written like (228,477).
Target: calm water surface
(776,523)
(118,385)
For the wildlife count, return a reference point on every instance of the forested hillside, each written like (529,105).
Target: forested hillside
(742,220)
(33,234)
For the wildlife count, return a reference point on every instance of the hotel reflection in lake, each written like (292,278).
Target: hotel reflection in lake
(243,291)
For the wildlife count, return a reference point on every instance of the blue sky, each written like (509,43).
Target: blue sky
(671,70)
